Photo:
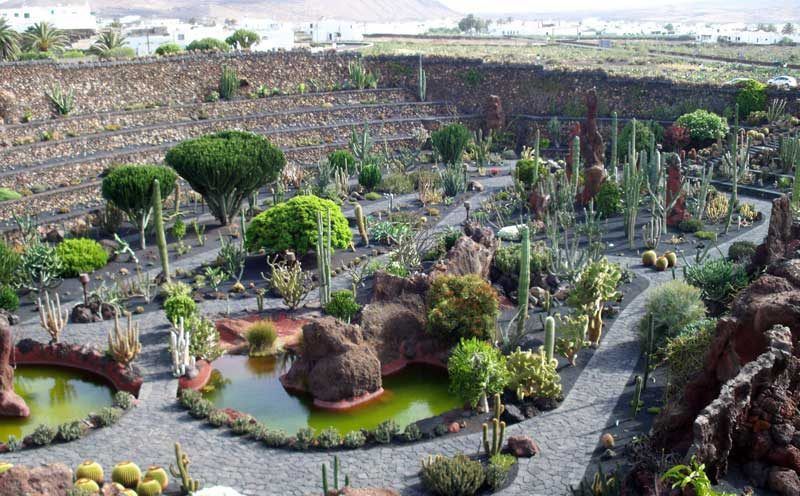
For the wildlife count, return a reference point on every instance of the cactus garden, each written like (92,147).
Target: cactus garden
(422,299)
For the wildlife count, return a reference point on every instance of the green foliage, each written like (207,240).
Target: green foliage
(673,305)
(9,194)
(595,284)
(228,83)
(42,435)
(450,142)
(703,126)
(218,418)
(304,438)
(227,167)
(243,39)
(201,409)
(462,306)
(63,100)
(342,160)
(386,431)
(457,476)
(108,416)
(454,180)
(40,267)
(261,337)
(204,338)
(412,433)
(208,44)
(179,306)
(497,470)
(168,49)
(719,280)
(741,251)
(706,235)
(507,259)
(243,425)
(692,479)
(751,97)
(123,400)
(69,431)
(343,305)
(370,176)
(354,439)
(292,225)
(644,135)
(528,171)
(129,187)
(685,356)
(329,438)
(8,298)
(361,77)
(477,369)
(10,261)
(397,183)
(275,438)
(608,201)
(691,225)
(79,255)
(122,52)
(533,375)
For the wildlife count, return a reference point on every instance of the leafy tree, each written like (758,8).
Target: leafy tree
(208,44)
(44,37)
(108,40)
(227,167)
(473,24)
(788,28)
(129,187)
(243,39)
(9,42)
(168,48)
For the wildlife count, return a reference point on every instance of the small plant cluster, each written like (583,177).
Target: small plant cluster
(668,260)
(463,476)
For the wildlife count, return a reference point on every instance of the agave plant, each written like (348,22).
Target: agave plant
(9,41)
(44,37)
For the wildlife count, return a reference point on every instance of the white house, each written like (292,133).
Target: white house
(63,14)
(332,30)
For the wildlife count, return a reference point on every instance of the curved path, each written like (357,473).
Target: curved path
(567,436)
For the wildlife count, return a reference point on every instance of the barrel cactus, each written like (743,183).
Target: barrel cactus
(127,474)
(157,473)
(149,487)
(649,258)
(90,470)
(87,485)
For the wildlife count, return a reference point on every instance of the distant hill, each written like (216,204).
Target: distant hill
(286,10)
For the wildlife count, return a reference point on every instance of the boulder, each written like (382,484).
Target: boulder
(592,146)
(11,404)
(522,446)
(47,480)
(594,177)
(471,253)
(784,482)
(494,114)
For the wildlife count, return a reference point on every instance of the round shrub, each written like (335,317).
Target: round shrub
(354,439)
(80,255)
(685,355)
(342,160)
(673,306)
(208,44)
(226,167)
(261,337)
(703,126)
(741,251)
(292,225)
(450,142)
(608,201)
(8,298)
(452,476)
(168,49)
(690,225)
(477,370)
(462,306)
(370,176)
(343,305)
(179,306)
(10,261)
(644,135)
(528,171)
(751,97)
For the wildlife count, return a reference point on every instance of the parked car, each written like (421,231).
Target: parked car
(783,82)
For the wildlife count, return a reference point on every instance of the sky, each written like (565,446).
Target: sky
(530,6)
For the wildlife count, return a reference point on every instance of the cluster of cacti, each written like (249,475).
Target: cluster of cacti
(662,200)
(228,83)
(661,263)
(632,183)
(594,285)
(651,232)
(161,238)
(523,290)
(126,479)
(494,445)
(703,189)
(181,470)
(361,221)
(572,331)
(51,316)
(123,344)
(483,148)
(636,402)
(422,82)
(180,341)
(361,144)
(324,258)
(737,163)
(533,375)
(789,152)
(326,487)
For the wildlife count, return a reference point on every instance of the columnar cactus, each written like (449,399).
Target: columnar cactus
(181,471)
(362,224)
(180,340)
(614,144)
(636,402)
(523,291)
(549,337)
(324,259)
(422,79)
(161,238)
(494,445)
(123,344)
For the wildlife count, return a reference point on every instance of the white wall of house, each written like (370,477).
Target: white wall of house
(20,16)
(332,30)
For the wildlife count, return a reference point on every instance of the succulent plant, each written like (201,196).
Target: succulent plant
(127,474)
(90,470)
(87,485)
(149,487)
(157,473)
(662,263)
(672,258)
(4,466)
(649,258)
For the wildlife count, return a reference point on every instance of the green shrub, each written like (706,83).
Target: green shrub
(372,196)
(179,306)
(108,416)
(292,225)
(275,438)
(703,126)
(304,438)
(243,425)
(329,438)
(80,255)
(399,184)
(476,369)
(386,431)
(354,439)
(751,97)
(370,176)
(218,418)
(39,268)
(462,306)
(228,83)
(342,160)
(10,261)
(204,338)
(690,225)
(532,375)
(343,305)
(208,44)
(685,356)
(168,49)
(528,171)
(644,135)
(123,400)
(741,251)
(70,431)
(506,259)
(457,476)
(673,305)
(8,194)
(261,337)
(608,201)
(450,142)
(201,409)
(497,470)
(42,435)
(8,298)
(706,235)
(412,433)
(129,188)
(226,167)
(719,280)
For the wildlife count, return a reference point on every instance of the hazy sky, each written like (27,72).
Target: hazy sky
(495,6)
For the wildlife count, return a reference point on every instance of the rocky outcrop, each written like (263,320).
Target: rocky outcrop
(337,364)
(471,254)
(593,149)
(47,480)
(11,404)
(494,114)
(783,236)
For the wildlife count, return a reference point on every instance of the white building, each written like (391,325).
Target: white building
(333,31)
(63,14)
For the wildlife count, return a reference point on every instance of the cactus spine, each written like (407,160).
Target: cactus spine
(181,470)
(494,446)
(636,402)
(362,224)
(324,259)
(523,291)
(422,78)
(549,337)
(161,239)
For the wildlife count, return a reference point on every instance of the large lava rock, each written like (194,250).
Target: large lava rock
(471,253)
(336,364)
(11,404)
(47,480)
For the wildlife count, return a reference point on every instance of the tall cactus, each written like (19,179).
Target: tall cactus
(633,180)
(549,337)
(362,224)
(179,341)
(181,470)
(494,445)
(614,144)
(523,290)
(702,195)
(325,486)
(636,402)
(738,162)
(422,82)
(324,258)
(161,238)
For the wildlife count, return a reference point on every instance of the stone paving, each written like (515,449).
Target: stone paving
(567,436)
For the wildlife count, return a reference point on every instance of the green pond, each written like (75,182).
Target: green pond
(251,385)
(55,395)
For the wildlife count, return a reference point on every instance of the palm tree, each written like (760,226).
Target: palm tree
(44,37)
(9,42)
(108,40)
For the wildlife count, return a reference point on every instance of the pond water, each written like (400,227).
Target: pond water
(251,385)
(55,395)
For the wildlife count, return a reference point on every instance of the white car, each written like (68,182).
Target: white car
(783,82)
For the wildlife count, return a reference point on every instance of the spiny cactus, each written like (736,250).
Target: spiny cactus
(651,233)
(51,317)
(494,445)
(362,224)
(614,144)
(126,473)
(523,290)
(324,258)
(90,470)
(422,81)
(149,487)
(157,473)
(636,402)
(228,83)
(632,183)
(161,238)
(325,485)
(737,162)
(87,485)
(549,337)
(179,340)
(123,344)
(181,470)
